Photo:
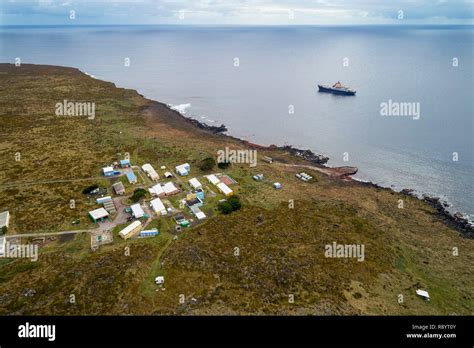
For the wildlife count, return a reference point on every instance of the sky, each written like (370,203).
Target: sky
(235,12)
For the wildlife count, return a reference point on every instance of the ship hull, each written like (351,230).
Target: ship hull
(326,89)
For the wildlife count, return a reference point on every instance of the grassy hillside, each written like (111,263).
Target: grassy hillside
(280,249)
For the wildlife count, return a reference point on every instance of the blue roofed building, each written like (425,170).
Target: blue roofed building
(125,163)
(132,179)
(200,194)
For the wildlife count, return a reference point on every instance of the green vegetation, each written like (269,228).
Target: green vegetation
(235,202)
(138,194)
(281,247)
(207,164)
(230,205)
(223,165)
(225,207)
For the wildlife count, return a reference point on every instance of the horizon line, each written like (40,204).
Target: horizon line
(244,25)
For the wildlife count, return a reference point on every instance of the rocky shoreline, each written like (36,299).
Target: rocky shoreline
(456,220)
(306,155)
(214,129)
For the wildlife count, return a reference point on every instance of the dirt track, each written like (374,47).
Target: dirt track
(336,172)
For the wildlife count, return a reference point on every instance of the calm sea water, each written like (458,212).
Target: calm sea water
(194,67)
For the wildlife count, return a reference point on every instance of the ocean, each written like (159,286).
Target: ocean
(261,82)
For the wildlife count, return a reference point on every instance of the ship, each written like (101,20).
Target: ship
(337,88)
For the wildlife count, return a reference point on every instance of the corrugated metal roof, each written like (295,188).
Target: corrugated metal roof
(213,179)
(195,183)
(224,188)
(130,228)
(157,190)
(158,205)
(131,176)
(137,211)
(118,186)
(150,171)
(169,188)
(99,213)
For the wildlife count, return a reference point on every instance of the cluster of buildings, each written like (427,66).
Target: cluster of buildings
(167,189)
(194,199)
(259,177)
(102,214)
(117,168)
(182,170)
(135,229)
(108,204)
(303,176)
(221,186)
(114,168)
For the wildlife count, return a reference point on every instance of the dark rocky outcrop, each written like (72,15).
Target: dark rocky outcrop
(307,155)
(214,129)
(456,220)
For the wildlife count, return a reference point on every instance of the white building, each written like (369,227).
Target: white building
(131,230)
(158,206)
(195,183)
(102,200)
(4,219)
(98,214)
(197,212)
(150,171)
(213,179)
(424,294)
(183,169)
(137,211)
(224,189)
(170,189)
(200,215)
(108,171)
(157,190)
